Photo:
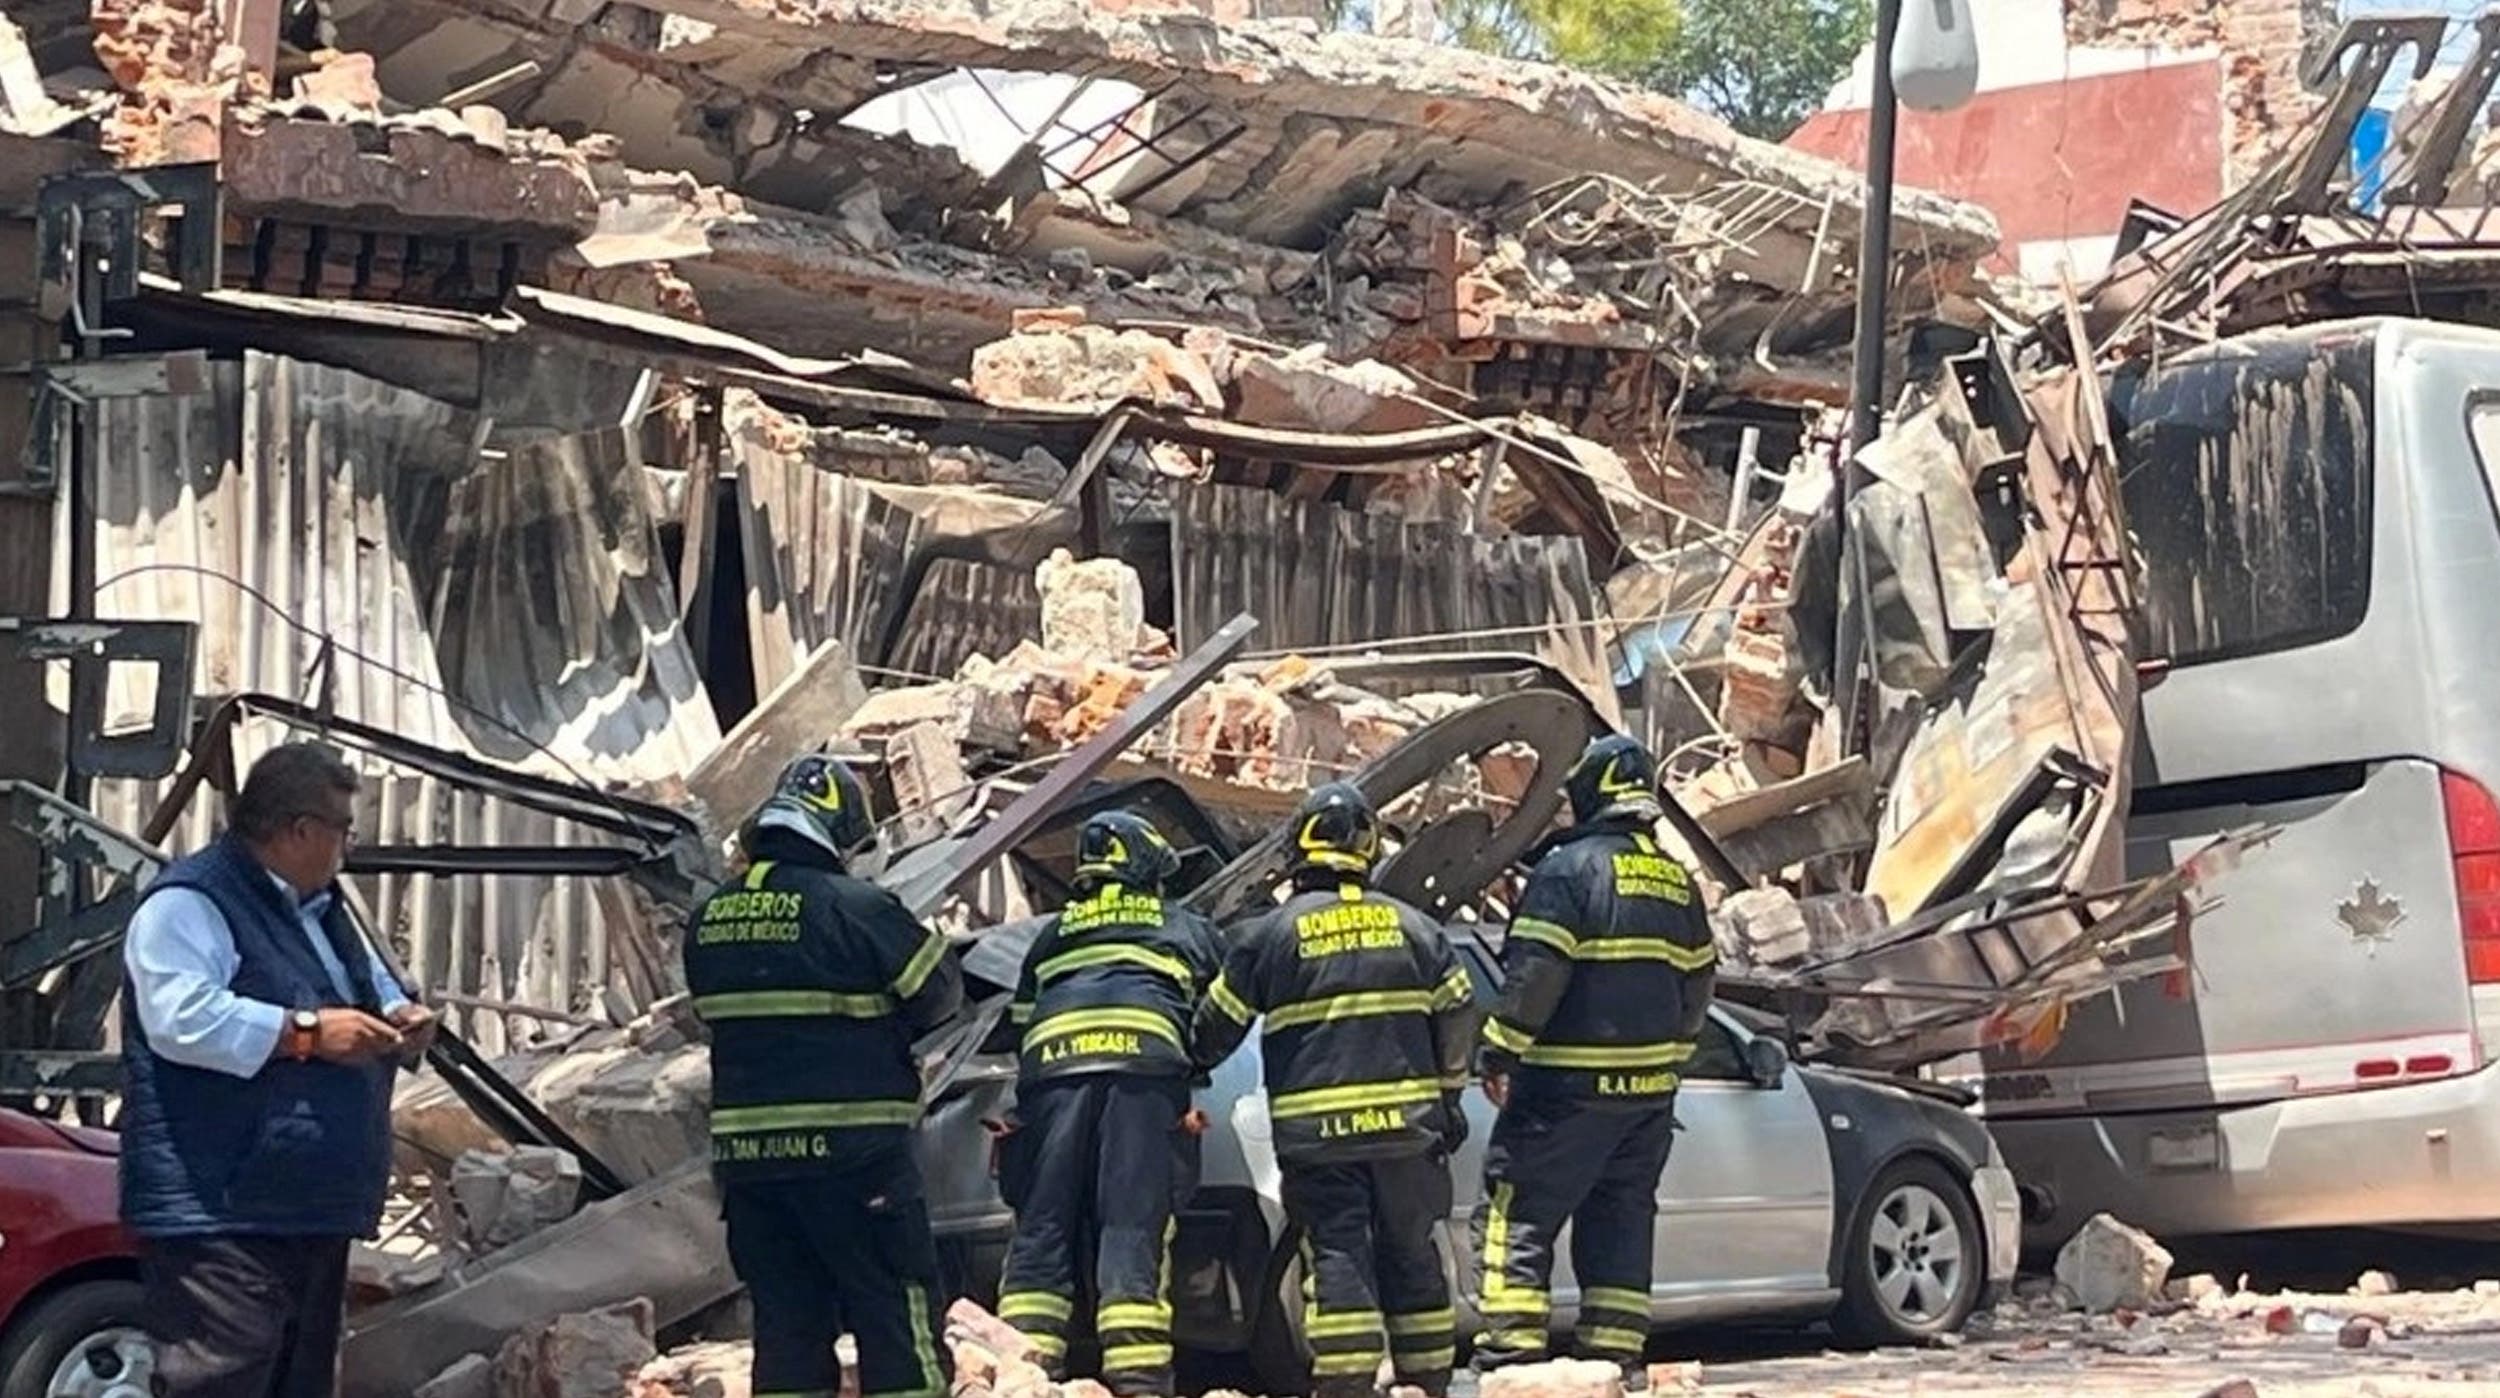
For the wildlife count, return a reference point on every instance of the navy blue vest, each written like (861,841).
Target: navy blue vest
(298,1149)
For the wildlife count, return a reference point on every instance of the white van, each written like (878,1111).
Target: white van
(2319,515)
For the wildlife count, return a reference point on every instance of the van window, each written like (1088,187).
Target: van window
(2246,478)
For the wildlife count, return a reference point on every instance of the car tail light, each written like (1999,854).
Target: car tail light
(2474,850)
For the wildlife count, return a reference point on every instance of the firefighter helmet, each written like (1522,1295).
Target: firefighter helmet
(821,800)
(1336,829)
(1123,848)
(1614,779)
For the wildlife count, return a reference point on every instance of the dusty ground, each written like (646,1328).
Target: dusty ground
(2442,1343)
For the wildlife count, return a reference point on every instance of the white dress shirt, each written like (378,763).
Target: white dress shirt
(181,957)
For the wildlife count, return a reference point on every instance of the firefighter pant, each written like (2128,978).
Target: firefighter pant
(1094,1170)
(1551,1163)
(1370,1270)
(848,1250)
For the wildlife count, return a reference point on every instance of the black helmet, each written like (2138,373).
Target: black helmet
(821,800)
(1118,847)
(1614,779)
(1336,829)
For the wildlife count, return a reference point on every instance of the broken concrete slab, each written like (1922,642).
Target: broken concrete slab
(798,716)
(470,1376)
(1092,366)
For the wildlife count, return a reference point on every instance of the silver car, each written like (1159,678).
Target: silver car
(1794,1194)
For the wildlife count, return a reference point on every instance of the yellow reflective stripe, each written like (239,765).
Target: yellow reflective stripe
(1552,934)
(1314,1101)
(1426,1323)
(924,1339)
(803,1116)
(1502,1036)
(1610,1337)
(1222,997)
(1616,1298)
(1053,1346)
(1646,949)
(1344,1363)
(1133,1315)
(1514,1339)
(1136,1356)
(756,872)
(1664,1055)
(1499,1296)
(1454,1082)
(915,972)
(1041,1303)
(1084,957)
(1021,1012)
(1113,1017)
(1455,989)
(1424,1361)
(778,1004)
(1352,1006)
(1342,1323)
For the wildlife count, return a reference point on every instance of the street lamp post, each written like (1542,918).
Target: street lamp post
(1866,398)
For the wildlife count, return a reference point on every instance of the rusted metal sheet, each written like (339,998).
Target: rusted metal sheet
(910,579)
(1332,579)
(513,606)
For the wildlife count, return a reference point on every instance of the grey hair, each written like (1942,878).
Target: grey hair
(288,782)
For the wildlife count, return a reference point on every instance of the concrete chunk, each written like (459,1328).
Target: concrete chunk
(1558,1378)
(2109,1264)
(506,1196)
(595,1354)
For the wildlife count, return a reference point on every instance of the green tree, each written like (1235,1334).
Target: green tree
(1762,65)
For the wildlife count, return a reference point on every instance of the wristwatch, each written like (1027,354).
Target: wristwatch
(303,1031)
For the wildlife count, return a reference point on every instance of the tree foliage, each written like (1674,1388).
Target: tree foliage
(1763,65)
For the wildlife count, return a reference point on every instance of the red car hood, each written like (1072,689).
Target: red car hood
(22,1132)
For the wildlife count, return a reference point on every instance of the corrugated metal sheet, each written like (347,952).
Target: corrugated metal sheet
(527,585)
(1317,576)
(830,557)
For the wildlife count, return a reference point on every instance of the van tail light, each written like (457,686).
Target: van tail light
(2474,852)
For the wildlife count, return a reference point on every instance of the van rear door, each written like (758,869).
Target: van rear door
(2297,496)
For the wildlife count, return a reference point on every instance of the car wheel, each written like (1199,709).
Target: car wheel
(83,1341)
(1280,1356)
(1916,1258)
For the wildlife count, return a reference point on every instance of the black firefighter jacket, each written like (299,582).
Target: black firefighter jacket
(814,985)
(1366,1012)
(1606,976)
(1109,986)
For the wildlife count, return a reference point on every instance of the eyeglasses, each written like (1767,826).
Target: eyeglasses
(345,825)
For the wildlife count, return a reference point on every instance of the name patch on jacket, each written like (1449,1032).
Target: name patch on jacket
(1107,1042)
(1369,1121)
(757,916)
(1640,875)
(777,1145)
(1348,927)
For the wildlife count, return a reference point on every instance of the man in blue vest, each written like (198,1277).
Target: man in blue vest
(259,1036)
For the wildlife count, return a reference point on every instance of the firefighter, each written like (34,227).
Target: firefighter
(813,985)
(1606,978)
(1103,1148)
(1365,1050)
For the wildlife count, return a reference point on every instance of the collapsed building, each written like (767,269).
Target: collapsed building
(573,412)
